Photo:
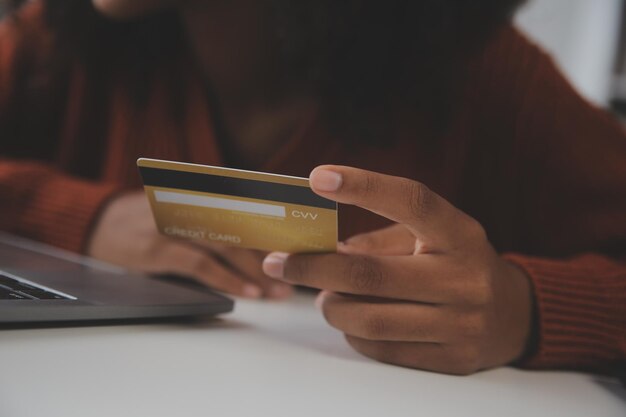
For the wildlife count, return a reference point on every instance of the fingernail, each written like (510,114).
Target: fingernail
(251,291)
(274,264)
(325,180)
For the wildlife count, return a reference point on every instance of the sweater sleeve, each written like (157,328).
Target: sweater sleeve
(566,171)
(42,203)
(581,312)
(37,199)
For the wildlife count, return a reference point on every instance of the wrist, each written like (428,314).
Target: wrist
(521,317)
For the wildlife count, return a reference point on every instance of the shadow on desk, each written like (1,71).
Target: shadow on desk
(613,386)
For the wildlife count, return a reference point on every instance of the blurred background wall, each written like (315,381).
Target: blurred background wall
(587,39)
(584,38)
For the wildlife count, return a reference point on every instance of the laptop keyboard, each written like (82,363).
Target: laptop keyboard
(13,289)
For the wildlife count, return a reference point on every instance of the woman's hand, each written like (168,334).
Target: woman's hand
(430,292)
(127,236)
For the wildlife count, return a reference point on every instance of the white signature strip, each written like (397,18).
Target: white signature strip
(219,203)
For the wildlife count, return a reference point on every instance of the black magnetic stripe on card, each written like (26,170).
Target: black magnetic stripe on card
(236,187)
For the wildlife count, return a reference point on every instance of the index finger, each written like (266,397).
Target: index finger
(429,217)
(419,278)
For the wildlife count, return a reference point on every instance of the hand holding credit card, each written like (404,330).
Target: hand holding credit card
(240,208)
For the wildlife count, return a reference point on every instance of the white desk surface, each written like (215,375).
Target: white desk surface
(265,359)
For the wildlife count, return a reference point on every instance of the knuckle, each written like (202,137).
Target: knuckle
(417,197)
(474,231)
(371,186)
(475,289)
(468,234)
(297,268)
(365,275)
(373,327)
(474,327)
(481,293)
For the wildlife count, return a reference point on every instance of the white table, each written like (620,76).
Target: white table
(266,359)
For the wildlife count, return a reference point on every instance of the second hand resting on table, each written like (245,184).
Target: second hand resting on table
(126,235)
(429,292)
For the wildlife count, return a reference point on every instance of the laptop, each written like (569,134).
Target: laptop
(42,284)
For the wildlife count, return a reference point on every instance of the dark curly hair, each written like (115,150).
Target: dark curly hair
(359,57)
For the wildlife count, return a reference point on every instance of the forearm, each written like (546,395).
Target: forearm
(43,204)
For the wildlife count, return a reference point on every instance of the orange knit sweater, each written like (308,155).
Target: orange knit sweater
(543,170)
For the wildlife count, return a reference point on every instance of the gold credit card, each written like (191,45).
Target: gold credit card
(247,209)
